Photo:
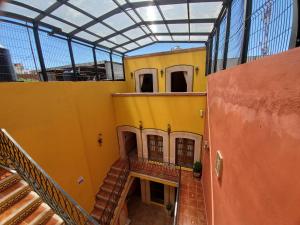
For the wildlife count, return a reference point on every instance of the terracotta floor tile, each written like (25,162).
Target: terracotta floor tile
(192,206)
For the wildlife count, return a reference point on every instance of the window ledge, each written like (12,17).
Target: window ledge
(160,94)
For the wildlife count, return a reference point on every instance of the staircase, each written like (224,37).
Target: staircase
(109,193)
(20,205)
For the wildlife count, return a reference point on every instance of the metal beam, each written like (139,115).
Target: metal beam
(135,5)
(111,66)
(48,11)
(139,16)
(189,17)
(247,25)
(72,56)
(164,19)
(295,35)
(162,34)
(94,19)
(95,63)
(140,47)
(40,52)
(158,22)
(30,20)
(216,48)
(228,6)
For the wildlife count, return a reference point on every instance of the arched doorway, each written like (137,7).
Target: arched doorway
(129,142)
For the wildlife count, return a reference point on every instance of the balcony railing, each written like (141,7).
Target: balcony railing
(166,171)
(13,156)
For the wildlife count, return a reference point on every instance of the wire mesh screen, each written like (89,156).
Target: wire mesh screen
(84,61)
(235,33)
(271,25)
(56,57)
(19,41)
(213,53)
(222,36)
(103,65)
(118,67)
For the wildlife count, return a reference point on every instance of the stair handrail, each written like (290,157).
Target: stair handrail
(115,194)
(12,155)
(177,203)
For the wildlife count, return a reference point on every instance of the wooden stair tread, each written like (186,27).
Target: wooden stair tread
(24,207)
(4,173)
(12,190)
(55,220)
(97,213)
(41,215)
(102,194)
(102,204)
(8,181)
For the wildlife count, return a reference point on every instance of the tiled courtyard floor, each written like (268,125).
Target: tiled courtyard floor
(144,214)
(192,207)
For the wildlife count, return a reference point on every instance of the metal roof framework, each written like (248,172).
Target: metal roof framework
(121,26)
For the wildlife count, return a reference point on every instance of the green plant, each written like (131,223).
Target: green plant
(197,168)
(169,206)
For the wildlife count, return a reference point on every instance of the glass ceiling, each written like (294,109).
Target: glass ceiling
(122,25)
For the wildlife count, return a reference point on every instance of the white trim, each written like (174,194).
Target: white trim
(196,137)
(122,142)
(189,74)
(161,133)
(139,73)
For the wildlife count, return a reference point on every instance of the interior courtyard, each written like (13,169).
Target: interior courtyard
(149,112)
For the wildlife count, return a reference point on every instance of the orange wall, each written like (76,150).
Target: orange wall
(58,124)
(254,120)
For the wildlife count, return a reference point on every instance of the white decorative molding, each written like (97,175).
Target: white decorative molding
(196,137)
(189,75)
(161,133)
(137,132)
(141,72)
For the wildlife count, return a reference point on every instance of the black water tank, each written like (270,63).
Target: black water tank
(7,72)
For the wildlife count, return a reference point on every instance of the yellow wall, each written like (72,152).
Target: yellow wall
(181,112)
(194,57)
(58,125)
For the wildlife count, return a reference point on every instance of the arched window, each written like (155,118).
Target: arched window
(146,80)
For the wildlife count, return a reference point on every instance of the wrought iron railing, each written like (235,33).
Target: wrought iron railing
(112,203)
(177,203)
(12,155)
(167,171)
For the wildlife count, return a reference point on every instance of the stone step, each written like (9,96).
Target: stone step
(19,211)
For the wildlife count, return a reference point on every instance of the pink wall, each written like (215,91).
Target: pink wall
(206,174)
(254,120)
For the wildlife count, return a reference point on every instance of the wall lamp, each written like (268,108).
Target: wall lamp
(131,74)
(169,128)
(197,70)
(161,73)
(141,125)
(100,139)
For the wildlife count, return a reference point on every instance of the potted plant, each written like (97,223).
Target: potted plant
(169,208)
(197,169)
